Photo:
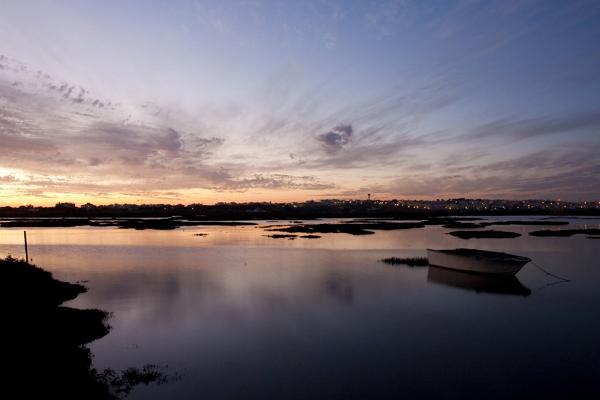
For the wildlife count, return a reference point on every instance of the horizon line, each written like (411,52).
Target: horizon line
(67,204)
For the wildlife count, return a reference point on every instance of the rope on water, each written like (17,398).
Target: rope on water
(560,278)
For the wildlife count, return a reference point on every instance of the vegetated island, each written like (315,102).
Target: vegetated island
(367,226)
(346,227)
(462,225)
(123,223)
(478,225)
(426,220)
(527,222)
(282,236)
(565,232)
(43,343)
(291,236)
(485,234)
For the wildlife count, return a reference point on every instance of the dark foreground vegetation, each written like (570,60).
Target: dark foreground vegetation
(43,344)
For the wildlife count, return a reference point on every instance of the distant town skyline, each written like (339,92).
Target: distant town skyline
(210,101)
(60,214)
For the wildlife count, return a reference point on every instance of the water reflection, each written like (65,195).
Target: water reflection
(339,286)
(244,316)
(509,285)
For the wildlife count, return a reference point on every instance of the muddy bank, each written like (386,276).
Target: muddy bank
(359,228)
(485,234)
(476,225)
(282,236)
(565,232)
(528,223)
(123,223)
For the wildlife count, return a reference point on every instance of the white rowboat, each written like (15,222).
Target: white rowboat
(477,261)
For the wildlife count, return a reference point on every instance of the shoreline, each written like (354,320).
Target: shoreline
(296,224)
(44,343)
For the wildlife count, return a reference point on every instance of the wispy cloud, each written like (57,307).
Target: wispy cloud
(299,99)
(544,174)
(276,181)
(521,129)
(94,149)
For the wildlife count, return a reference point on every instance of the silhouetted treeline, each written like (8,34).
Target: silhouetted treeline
(310,209)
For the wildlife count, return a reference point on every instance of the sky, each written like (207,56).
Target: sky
(276,100)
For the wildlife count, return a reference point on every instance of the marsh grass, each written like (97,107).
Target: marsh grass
(410,261)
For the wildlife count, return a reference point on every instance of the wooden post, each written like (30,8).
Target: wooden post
(26,250)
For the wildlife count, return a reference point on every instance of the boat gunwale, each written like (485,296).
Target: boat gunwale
(495,256)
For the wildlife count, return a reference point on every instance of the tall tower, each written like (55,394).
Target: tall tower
(369,196)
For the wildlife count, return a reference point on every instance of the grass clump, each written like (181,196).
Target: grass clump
(410,261)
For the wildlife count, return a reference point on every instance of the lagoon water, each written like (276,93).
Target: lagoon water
(237,315)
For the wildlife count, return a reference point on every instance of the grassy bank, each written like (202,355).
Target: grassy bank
(43,343)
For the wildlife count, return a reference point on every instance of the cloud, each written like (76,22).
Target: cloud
(41,131)
(567,158)
(335,139)
(8,179)
(95,151)
(94,147)
(521,129)
(44,86)
(135,142)
(20,135)
(551,173)
(276,181)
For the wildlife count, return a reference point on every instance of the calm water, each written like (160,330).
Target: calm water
(243,316)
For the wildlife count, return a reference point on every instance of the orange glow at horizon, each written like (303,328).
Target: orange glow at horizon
(204,197)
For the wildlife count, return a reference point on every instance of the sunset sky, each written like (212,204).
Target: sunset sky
(206,101)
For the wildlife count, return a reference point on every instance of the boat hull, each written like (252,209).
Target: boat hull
(479,263)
